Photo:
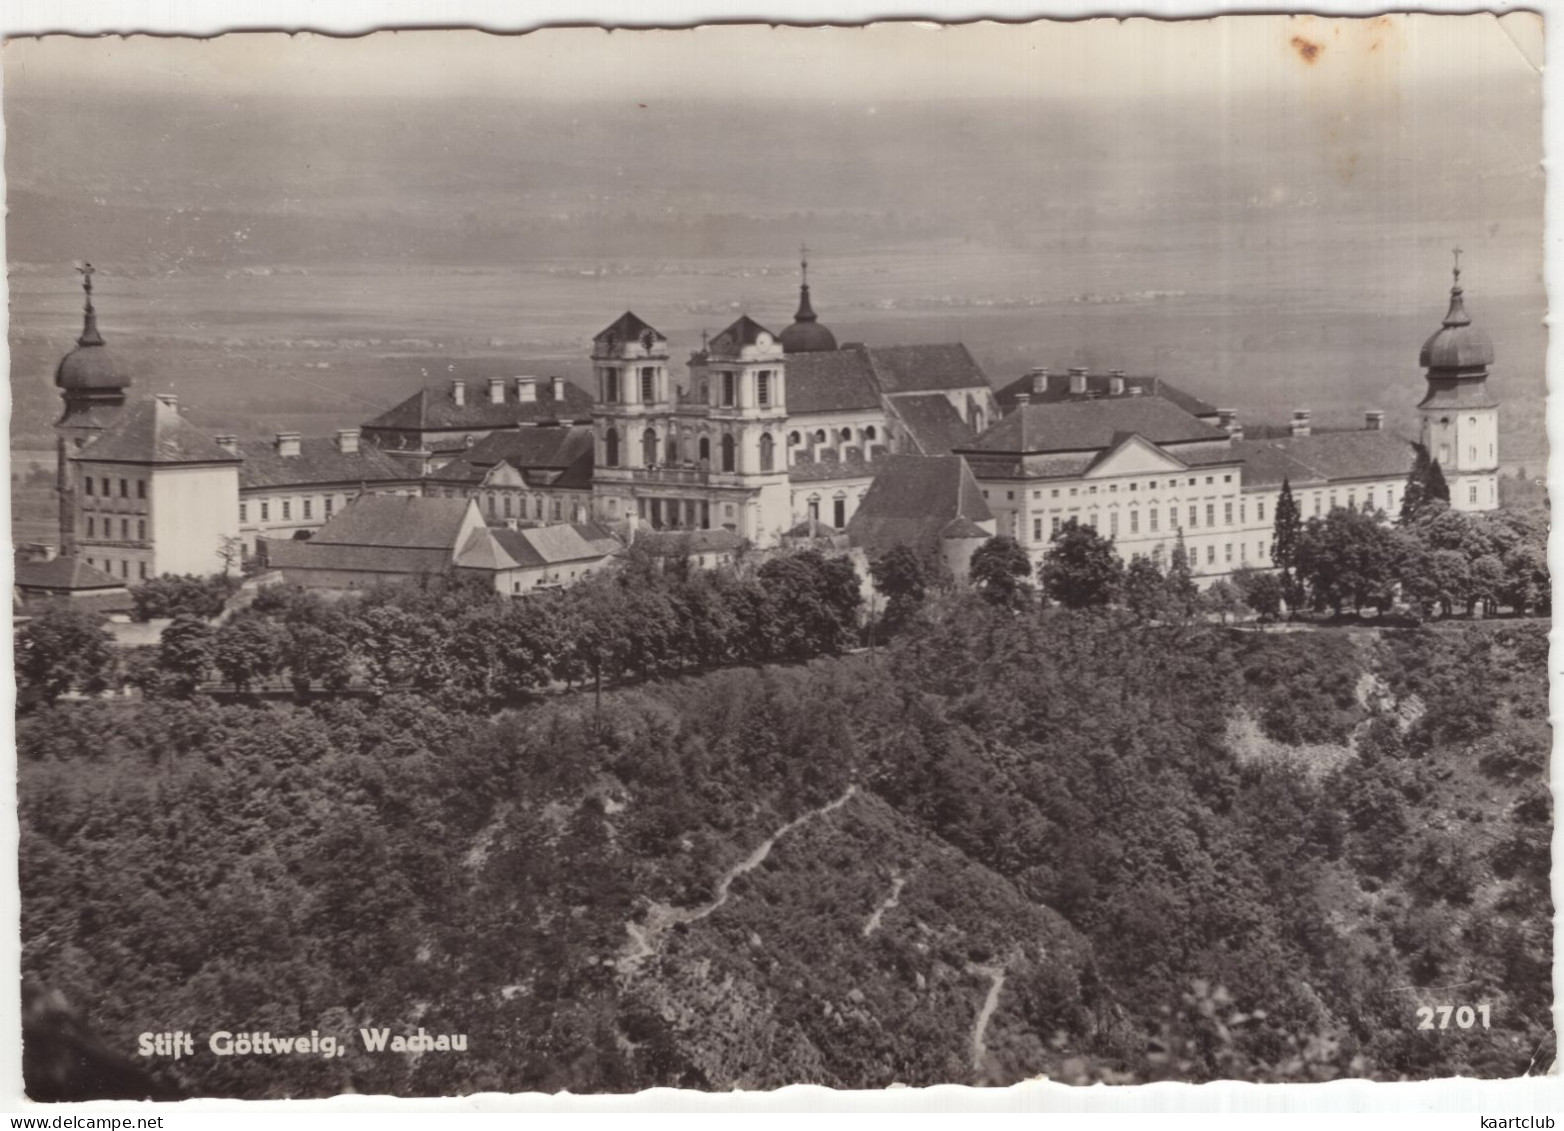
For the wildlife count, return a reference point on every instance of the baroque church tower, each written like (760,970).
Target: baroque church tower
(92,383)
(1460,417)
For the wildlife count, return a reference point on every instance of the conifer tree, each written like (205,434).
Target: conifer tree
(1413,495)
(1284,541)
(1435,489)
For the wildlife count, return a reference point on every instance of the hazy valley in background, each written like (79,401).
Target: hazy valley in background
(283,261)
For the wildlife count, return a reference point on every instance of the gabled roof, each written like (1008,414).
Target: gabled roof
(1123,440)
(918,369)
(628,327)
(536,547)
(830,382)
(435,410)
(63,575)
(1098,385)
(1324,456)
(744,332)
(546,456)
(933,422)
(913,500)
(1076,426)
(397,521)
(320,460)
(393,561)
(151,431)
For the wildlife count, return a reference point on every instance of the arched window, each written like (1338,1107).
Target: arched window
(847,434)
(728,452)
(868,433)
(673,449)
(611,448)
(820,436)
(649,447)
(766,451)
(705,451)
(507,506)
(794,439)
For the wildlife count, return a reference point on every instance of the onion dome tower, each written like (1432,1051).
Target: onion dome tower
(806,335)
(1460,417)
(92,383)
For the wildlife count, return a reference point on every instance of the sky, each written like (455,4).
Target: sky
(1091,58)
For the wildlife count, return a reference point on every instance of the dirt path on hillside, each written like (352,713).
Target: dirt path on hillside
(890,901)
(646,935)
(986,1013)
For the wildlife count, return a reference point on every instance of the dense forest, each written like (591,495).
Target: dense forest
(1017,840)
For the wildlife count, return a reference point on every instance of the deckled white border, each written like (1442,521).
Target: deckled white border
(1533,1095)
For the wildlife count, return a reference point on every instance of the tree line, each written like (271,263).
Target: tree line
(457,636)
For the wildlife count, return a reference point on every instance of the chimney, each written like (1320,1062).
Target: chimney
(1300,422)
(170,399)
(459,393)
(288,444)
(1374,420)
(558,384)
(526,389)
(1227,419)
(1023,398)
(229,444)
(1115,382)
(1039,378)
(496,390)
(1078,381)
(347,441)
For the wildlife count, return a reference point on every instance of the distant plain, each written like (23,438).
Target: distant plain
(285,263)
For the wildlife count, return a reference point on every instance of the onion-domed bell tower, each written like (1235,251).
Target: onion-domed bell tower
(1460,417)
(806,335)
(92,383)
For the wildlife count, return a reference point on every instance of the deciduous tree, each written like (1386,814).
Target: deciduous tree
(1081,569)
(999,570)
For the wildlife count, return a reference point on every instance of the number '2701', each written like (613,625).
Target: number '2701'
(1465,1016)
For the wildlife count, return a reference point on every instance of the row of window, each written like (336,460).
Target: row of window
(285,509)
(107,565)
(765,383)
(1133,485)
(515,506)
(107,528)
(821,436)
(675,454)
(106,490)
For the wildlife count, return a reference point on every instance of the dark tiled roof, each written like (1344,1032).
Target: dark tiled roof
(63,574)
(105,601)
(671,543)
(1075,426)
(744,332)
(913,500)
(1325,456)
(824,471)
(1098,386)
(933,423)
(150,431)
(628,327)
(1009,466)
(434,410)
(830,382)
(396,521)
(391,560)
(1458,395)
(546,456)
(919,369)
(320,460)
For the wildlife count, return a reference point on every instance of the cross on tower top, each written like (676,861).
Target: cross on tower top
(803,261)
(1457,253)
(87,271)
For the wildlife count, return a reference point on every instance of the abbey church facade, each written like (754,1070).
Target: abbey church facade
(762,436)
